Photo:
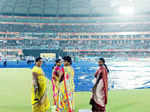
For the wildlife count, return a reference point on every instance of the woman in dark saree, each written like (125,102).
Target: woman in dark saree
(100,89)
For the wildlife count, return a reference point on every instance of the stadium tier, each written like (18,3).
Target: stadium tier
(74,27)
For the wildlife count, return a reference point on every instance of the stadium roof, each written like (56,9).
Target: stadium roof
(56,8)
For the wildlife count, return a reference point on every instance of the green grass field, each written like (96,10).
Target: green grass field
(15,91)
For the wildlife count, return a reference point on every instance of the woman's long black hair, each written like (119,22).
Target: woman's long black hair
(68,58)
(103,60)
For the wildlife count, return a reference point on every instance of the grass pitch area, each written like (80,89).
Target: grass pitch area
(15,95)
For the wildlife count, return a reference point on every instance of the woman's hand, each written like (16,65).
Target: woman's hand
(94,88)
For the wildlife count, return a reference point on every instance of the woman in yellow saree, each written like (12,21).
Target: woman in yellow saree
(40,101)
(66,100)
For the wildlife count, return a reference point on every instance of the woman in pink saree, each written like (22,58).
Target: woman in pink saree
(100,89)
(55,81)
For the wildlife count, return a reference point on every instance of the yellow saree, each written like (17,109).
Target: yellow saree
(44,104)
(66,100)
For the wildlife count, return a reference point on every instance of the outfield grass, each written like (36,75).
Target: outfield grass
(15,91)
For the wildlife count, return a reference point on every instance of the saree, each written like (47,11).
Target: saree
(44,104)
(100,91)
(66,100)
(55,84)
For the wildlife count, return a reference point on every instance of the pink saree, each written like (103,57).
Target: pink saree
(55,84)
